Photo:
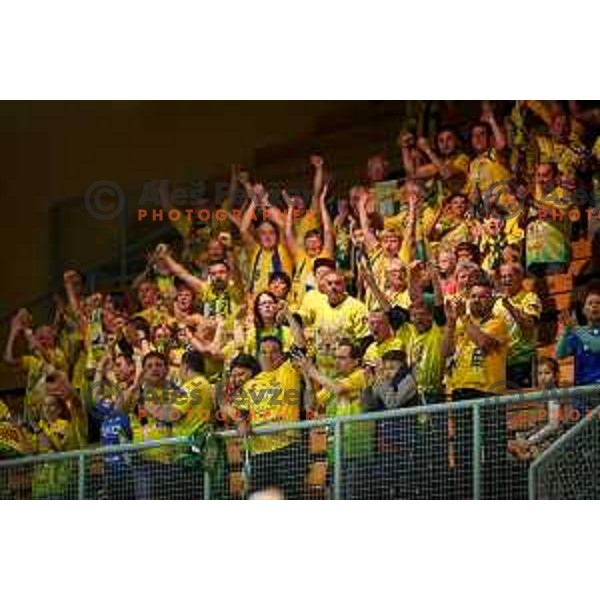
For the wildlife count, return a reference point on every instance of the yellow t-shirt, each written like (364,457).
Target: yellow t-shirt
(304,279)
(356,383)
(226,303)
(485,172)
(398,341)
(265,262)
(148,428)
(282,333)
(271,396)
(380,263)
(521,346)
(473,367)
(332,323)
(37,370)
(424,351)
(357,438)
(155,316)
(195,407)
(311,219)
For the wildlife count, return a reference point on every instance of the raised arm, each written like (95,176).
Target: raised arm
(370,238)
(289,236)
(487,115)
(405,143)
(564,347)
(453,309)
(176,268)
(318,180)
(432,233)
(18,325)
(370,280)
(69,279)
(328,232)
(246,224)
(333,386)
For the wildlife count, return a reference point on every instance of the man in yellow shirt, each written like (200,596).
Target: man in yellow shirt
(385,339)
(342,316)
(189,414)
(342,396)
(487,172)
(273,396)
(153,420)
(477,343)
(521,310)
(447,171)
(43,359)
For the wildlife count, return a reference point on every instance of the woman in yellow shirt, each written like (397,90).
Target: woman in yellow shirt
(316,244)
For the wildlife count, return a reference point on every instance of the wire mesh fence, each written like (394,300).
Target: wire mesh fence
(466,449)
(570,468)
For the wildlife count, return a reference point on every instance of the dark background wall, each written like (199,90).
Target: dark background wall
(53,151)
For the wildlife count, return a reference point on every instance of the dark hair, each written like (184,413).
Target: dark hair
(180,284)
(450,129)
(592,290)
(258,322)
(355,351)
(245,361)
(486,126)
(395,355)
(119,301)
(551,362)
(483,281)
(313,233)
(155,354)
(218,261)
(471,248)
(139,323)
(280,276)
(126,355)
(323,262)
(193,360)
(271,338)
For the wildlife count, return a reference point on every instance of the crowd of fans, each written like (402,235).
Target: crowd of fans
(373,298)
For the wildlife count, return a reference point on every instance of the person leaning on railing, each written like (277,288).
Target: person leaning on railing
(476,343)
(340,396)
(273,396)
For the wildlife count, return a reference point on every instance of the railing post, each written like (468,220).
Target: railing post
(81,477)
(206,485)
(337,460)
(476,452)
(531,482)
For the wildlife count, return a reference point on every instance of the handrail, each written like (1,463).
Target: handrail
(537,395)
(58,456)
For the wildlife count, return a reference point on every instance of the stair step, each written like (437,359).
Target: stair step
(577,266)
(581,249)
(557,301)
(559,284)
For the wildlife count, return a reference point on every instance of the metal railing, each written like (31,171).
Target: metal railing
(454,450)
(570,468)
